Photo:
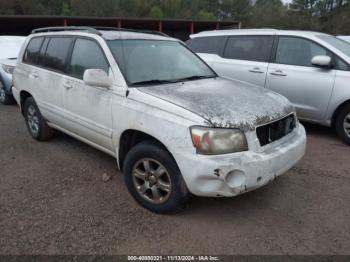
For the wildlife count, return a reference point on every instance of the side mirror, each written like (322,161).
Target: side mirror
(96,77)
(322,61)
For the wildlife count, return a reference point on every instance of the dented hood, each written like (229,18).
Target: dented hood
(225,103)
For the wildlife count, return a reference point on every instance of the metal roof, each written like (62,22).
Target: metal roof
(179,28)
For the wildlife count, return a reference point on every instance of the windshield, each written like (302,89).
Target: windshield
(341,45)
(157,62)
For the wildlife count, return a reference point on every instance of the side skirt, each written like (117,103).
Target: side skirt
(84,140)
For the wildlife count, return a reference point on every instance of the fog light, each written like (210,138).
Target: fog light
(236,178)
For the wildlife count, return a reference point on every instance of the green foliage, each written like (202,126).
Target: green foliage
(205,15)
(324,15)
(156,12)
(268,13)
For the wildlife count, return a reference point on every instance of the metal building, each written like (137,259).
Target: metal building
(23,24)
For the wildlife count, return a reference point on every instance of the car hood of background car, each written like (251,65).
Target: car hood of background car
(225,103)
(9,62)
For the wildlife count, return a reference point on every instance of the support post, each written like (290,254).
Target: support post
(160,26)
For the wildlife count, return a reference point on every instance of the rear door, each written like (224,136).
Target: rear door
(309,88)
(246,58)
(88,108)
(52,65)
(27,72)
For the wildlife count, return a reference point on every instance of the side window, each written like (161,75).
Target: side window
(32,51)
(250,48)
(87,54)
(297,51)
(208,45)
(341,65)
(57,53)
(41,55)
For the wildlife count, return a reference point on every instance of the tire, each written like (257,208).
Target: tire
(35,122)
(5,99)
(343,124)
(164,191)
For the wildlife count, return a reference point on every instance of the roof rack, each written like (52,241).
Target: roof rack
(66,28)
(93,30)
(145,31)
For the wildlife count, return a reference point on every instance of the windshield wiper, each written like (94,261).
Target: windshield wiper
(195,77)
(152,82)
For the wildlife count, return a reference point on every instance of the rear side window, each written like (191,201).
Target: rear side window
(32,51)
(57,53)
(41,56)
(208,45)
(250,48)
(297,51)
(87,54)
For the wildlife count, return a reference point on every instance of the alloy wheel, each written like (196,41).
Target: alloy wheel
(33,120)
(152,181)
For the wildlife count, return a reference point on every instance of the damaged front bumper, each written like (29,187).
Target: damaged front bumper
(234,174)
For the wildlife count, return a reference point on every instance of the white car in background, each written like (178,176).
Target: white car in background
(9,49)
(311,69)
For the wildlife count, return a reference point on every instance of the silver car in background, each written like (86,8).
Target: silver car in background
(9,49)
(311,69)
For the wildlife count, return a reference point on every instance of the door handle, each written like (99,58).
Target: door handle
(68,86)
(256,70)
(278,73)
(35,75)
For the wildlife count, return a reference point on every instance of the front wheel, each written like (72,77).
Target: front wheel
(154,179)
(343,124)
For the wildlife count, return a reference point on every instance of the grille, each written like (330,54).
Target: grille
(275,130)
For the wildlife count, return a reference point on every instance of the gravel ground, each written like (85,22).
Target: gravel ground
(53,200)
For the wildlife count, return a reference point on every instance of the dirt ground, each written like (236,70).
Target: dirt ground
(53,201)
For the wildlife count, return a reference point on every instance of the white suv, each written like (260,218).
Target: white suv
(311,69)
(173,125)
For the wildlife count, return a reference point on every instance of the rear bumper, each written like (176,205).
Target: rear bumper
(234,174)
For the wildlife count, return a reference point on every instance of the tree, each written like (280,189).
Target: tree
(205,15)
(156,12)
(325,15)
(235,9)
(268,14)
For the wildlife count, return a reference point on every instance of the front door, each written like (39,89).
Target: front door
(88,108)
(309,88)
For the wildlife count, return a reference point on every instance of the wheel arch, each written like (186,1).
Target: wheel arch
(338,110)
(130,138)
(24,95)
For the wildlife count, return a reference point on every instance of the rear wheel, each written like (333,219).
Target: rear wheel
(35,122)
(154,179)
(343,124)
(5,99)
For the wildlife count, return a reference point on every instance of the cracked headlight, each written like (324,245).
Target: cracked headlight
(217,141)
